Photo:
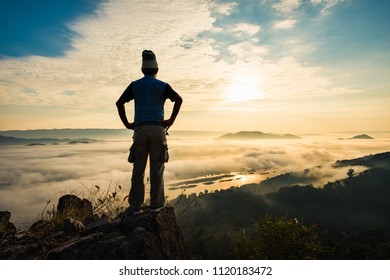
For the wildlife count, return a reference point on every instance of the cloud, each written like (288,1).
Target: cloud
(244,29)
(287,6)
(30,176)
(247,51)
(285,24)
(288,70)
(108,51)
(290,6)
(196,55)
(222,8)
(326,5)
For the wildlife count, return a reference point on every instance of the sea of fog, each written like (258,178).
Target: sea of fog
(30,176)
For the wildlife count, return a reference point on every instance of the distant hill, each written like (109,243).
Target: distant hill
(369,160)
(8,140)
(105,134)
(362,136)
(257,135)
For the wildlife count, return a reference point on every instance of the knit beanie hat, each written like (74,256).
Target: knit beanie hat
(149,60)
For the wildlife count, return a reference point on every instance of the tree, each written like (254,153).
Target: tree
(351,172)
(279,239)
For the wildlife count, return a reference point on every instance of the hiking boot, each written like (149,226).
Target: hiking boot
(156,210)
(132,212)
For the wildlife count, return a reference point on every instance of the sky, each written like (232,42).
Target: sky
(282,66)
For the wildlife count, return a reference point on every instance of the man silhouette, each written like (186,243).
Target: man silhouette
(150,129)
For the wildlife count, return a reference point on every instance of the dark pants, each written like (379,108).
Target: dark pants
(148,140)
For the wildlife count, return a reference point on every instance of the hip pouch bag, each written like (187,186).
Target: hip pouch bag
(131,157)
(164,157)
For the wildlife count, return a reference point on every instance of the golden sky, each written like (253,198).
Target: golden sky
(277,66)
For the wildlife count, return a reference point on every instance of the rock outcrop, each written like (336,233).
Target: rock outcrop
(71,206)
(5,225)
(84,236)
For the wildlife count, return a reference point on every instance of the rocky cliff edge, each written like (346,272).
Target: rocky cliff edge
(76,233)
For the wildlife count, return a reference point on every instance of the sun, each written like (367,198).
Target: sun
(242,88)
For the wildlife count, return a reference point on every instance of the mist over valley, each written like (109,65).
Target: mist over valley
(32,175)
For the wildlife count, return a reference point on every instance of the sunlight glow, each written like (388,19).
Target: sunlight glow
(242,88)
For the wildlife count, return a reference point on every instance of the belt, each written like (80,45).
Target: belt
(150,123)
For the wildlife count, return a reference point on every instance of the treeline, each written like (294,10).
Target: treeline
(350,218)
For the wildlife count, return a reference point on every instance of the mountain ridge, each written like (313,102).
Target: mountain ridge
(257,135)
(362,136)
(10,140)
